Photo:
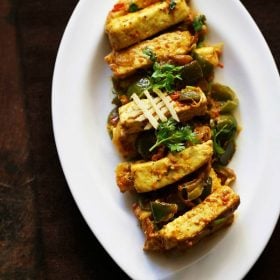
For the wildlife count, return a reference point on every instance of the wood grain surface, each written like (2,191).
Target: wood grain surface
(42,233)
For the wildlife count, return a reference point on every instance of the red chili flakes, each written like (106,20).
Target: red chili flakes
(114,121)
(225,198)
(118,7)
(175,95)
(159,154)
(123,99)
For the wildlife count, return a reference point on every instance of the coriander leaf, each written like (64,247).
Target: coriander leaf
(173,136)
(198,22)
(150,54)
(177,147)
(165,129)
(172,5)
(165,75)
(133,8)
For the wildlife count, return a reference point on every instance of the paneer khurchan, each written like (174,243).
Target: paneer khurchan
(172,123)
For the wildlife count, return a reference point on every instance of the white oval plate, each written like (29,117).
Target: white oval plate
(81,101)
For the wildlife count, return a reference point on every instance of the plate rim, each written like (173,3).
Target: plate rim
(74,17)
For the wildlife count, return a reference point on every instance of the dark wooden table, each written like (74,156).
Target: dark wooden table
(42,233)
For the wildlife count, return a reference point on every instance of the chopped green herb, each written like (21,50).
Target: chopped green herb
(172,5)
(150,54)
(165,75)
(133,8)
(173,136)
(198,22)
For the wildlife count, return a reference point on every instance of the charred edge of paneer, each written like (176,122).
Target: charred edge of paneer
(124,178)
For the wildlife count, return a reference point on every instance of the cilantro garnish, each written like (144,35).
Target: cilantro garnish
(133,8)
(173,136)
(150,54)
(165,75)
(198,22)
(172,5)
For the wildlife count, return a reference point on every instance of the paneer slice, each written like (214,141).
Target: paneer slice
(124,31)
(152,175)
(215,212)
(125,62)
(133,120)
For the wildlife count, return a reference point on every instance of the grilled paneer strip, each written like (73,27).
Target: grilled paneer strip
(153,175)
(133,120)
(125,62)
(126,30)
(214,212)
